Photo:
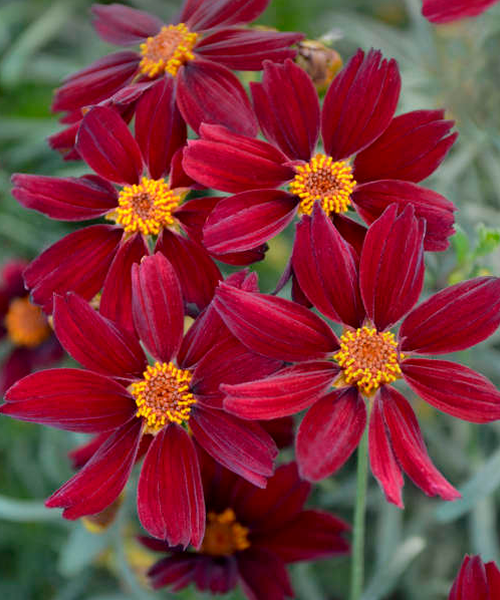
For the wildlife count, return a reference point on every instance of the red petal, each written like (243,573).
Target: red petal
(353,232)
(371,199)
(66,199)
(234,163)
(246,49)
(83,453)
(196,271)
(176,571)
(159,127)
(271,326)
(411,148)
(493,575)
(471,582)
(383,462)
(263,575)
(200,14)
(217,575)
(70,399)
(242,447)
(409,446)
(107,146)
(246,220)
(359,104)
(453,388)
(326,268)
(444,11)
(170,500)
(124,26)
(285,393)
(281,430)
(454,319)
(15,366)
(157,307)
(79,262)
(330,432)
(102,479)
(95,342)
(287,106)
(194,213)
(392,266)
(210,93)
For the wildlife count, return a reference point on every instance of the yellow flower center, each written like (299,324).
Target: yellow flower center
(167,51)
(323,180)
(146,207)
(224,535)
(369,358)
(26,324)
(163,396)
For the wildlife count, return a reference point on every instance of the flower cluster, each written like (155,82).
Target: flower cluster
(198,376)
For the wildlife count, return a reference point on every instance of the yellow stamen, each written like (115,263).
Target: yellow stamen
(224,535)
(146,207)
(163,396)
(26,324)
(167,51)
(323,180)
(369,359)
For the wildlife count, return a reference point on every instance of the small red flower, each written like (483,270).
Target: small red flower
(165,403)
(196,50)
(392,154)
(444,11)
(250,536)
(368,295)
(476,581)
(26,328)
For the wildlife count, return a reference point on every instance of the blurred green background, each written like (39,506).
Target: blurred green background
(412,554)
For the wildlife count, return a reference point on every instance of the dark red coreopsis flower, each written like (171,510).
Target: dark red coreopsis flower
(161,404)
(195,52)
(25,327)
(476,581)
(369,158)
(368,296)
(250,536)
(444,11)
(145,206)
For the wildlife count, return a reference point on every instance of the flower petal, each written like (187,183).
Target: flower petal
(210,93)
(70,399)
(65,199)
(199,14)
(392,266)
(285,393)
(159,128)
(271,326)
(444,11)
(287,106)
(359,104)
(330,432)
(170,501)
(246,220)
(263,575)
(16,365)
(122,25)
(240,446)
(107,146)
(371,199)
(94,341)
(409,446)
(175,571)
(471,582)
(217,575)
(456,318)
(78,262)
(103,477)
(453,388)
(411,148)
(234,163)
(246,49)
(326,268)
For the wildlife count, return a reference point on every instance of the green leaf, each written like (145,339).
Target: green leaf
(461,245)
(489,240)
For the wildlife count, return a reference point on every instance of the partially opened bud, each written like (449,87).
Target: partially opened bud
(319,61)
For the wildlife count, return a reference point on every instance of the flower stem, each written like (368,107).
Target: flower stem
(358,546)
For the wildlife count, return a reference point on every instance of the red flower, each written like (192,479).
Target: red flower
(476,581)
(444,11)
(250,536)
(26,328)
(368,296)
(197,51)
(180,390)
(145,206)
(392,155)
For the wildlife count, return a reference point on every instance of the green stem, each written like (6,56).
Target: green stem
(358,546)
